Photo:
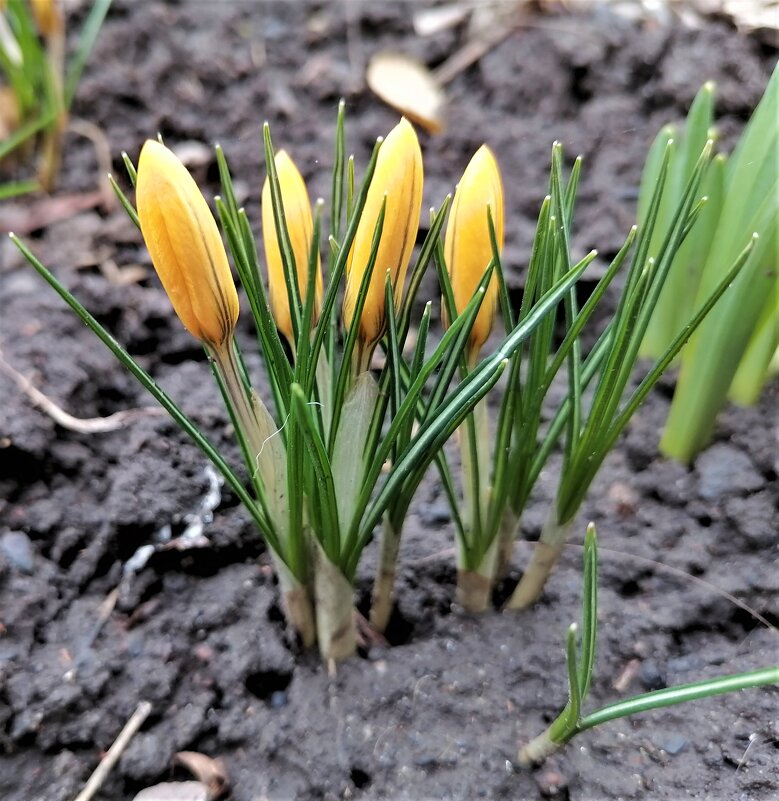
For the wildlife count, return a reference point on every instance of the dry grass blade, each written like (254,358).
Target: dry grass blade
(96,135)
(685,575)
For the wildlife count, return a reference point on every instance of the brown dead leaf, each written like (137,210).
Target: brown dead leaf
(430,21)
(123,276)
(23,220)
(408,86)
(193,154)
(174,791)
(758,16)
(210,772)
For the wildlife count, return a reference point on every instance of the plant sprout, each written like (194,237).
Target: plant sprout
(682,148)
(739,339)
(591,430)
(41,83)
(580,661)
(335,452)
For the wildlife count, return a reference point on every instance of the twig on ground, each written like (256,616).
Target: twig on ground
(90,425)
(104,612)
(101,772)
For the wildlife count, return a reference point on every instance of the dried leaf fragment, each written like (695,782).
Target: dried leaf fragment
(210,772)
(174,791)
(430,21)
(408,86)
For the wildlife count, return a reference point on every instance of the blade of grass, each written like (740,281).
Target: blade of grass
(86,42)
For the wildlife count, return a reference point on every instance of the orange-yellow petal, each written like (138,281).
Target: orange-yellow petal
(398,177)
(467,246)
(185,246)
(300,226)
(48,16)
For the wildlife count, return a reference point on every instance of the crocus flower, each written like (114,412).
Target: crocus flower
(398,178)
(300,225)
(185,247)
(47,15)
(467,246)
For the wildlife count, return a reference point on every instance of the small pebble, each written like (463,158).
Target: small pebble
(18,549)
(651,675)
(550,783)
(725,470)
(278,699)
(674,744)
(435,514)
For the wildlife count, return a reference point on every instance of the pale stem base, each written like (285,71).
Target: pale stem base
(537,750)
(507,535)
(474,587)
(384,583)
(334,603)
(296,602)
(545,556)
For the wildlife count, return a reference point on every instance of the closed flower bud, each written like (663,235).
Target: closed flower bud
(185,246)
(48,17)
(300,226)
(398,177)
(467,245)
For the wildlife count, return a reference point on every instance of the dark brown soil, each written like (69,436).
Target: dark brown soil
(689,556)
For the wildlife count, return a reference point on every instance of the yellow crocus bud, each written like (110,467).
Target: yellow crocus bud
(467,246)
(185,246)
(300,226)
(398,178)
(48,17)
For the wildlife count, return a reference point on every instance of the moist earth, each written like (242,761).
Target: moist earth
(89,628)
